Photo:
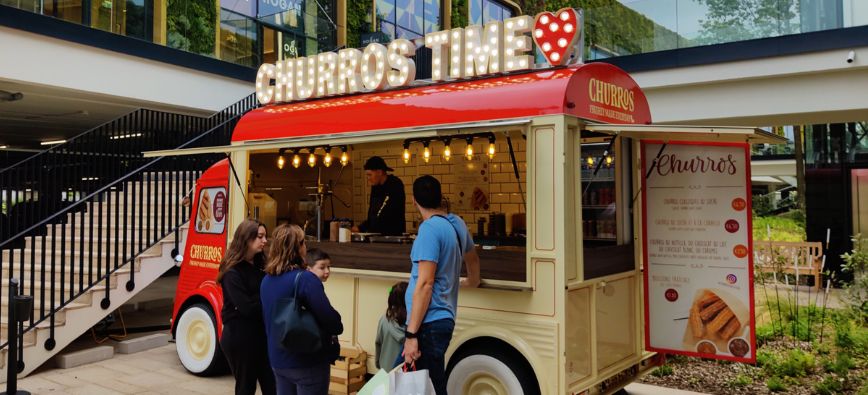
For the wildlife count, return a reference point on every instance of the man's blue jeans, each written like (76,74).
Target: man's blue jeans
(434,338)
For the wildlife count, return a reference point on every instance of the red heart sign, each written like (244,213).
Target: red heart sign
(555,34)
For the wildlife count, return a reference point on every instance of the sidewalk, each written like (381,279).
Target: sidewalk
(158,371)
(645,389)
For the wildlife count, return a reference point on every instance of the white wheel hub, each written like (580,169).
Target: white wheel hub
(195,339)
(483,375)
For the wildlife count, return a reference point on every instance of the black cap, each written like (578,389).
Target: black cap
(376,163)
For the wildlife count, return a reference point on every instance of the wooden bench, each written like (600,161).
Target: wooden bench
(348,372)
(787,256)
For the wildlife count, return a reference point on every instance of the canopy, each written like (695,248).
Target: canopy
(597,92)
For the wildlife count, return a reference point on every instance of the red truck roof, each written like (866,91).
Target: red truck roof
(597,92)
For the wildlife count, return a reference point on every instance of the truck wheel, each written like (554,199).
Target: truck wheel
(491,372)
(196,341)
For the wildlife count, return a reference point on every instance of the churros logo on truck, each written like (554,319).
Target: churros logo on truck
(460,53)
(611,100)
(206,256)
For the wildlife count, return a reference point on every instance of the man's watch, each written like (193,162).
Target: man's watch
(409,335)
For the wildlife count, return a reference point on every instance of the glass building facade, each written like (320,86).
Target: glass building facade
(245,32)
(630,27)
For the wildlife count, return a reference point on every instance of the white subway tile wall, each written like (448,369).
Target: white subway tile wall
(504,190)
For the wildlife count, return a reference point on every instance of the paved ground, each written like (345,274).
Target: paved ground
(158,371)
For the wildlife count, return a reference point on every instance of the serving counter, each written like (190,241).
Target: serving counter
(502,263)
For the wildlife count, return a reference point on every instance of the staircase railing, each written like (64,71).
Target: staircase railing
(105,231)
(44,183)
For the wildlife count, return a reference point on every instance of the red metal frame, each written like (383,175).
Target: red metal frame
(748,210)
(196,280)
(563,90)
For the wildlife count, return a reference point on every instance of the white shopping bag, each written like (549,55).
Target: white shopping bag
(410,383)
(377,385)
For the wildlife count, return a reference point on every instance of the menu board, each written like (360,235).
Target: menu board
(697,247)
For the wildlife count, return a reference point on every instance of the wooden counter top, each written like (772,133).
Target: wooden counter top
(503,263)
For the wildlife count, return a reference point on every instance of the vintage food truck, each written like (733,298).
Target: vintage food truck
(542,164)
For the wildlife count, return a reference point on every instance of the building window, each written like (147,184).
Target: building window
(484,11)
(68,10)
(125,17)
(409,19)
(238,39)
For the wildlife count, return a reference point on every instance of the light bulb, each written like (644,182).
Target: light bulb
(590,161)
(469,152)
(327,159)
(296,161)
(447,153)
(406,155)
(345,159)
(280,162)
(426,153)
(490,150)
(608,161)
(311,160)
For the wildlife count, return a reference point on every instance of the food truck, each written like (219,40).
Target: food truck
(545,165)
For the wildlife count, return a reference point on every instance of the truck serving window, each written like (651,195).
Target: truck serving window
(606,216)
(485,185)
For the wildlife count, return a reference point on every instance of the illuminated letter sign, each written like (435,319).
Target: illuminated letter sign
(469,52)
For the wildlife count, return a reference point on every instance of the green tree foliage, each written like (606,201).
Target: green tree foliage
(734,20)
(191,25)
(459,13)
(358,16)
(611,26)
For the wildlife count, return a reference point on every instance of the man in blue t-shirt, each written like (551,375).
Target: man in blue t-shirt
(442,244)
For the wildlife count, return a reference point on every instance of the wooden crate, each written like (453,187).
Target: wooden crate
(348,372)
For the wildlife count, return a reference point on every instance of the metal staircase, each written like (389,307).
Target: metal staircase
(91,222)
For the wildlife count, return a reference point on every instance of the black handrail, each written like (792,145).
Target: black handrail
(48,181)
(118,221)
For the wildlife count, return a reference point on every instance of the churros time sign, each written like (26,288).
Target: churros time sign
(697,250)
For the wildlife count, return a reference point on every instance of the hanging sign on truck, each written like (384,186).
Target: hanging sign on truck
(697,249)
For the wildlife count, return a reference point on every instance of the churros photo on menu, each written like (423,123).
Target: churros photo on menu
(716,323)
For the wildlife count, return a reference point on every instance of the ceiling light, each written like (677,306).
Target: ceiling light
(4,146)
(345,158)
(52,142)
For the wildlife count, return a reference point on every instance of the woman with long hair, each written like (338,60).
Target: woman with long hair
(243,340)
(297,373)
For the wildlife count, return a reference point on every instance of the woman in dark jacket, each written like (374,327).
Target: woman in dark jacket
(243,340)
(298,373)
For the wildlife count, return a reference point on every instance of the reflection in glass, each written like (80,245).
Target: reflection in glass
(630,27)
(68,10)
(125,17)
(238,39)
(408,18)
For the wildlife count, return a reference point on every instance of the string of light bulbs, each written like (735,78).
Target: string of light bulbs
(311,158)
(447,142)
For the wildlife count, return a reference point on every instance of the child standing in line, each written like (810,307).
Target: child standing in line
(319,263)
(390,331)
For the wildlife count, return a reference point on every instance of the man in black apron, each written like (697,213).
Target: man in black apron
(386,207)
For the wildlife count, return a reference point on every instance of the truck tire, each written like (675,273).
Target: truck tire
(197,342)
(491,372)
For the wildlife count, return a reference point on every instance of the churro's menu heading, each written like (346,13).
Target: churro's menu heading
(698,270)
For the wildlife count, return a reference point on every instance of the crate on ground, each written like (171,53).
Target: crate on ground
(348,372)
